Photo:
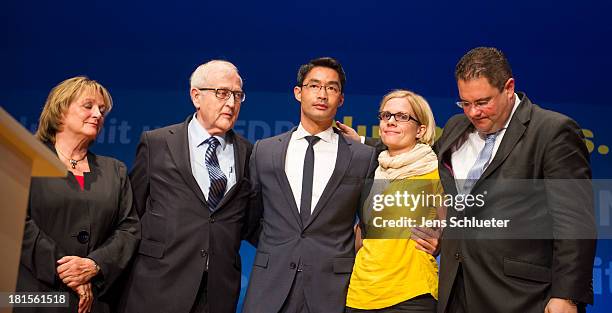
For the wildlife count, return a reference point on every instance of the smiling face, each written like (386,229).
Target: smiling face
(85,115)
(216,115)
(319,106)
(400,137)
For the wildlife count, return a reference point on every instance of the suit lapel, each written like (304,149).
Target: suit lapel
(513,134)
(445,153)
(343,159)
(239,161)
(453,135)
(178,144)
(278,160)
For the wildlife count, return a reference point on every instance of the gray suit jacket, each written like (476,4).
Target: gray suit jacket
(514,274)
(324,247)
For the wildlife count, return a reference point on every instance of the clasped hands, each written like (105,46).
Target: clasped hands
(76,273)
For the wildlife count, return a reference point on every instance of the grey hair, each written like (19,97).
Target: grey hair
(198,77)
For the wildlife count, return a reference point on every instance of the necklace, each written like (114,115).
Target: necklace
(73,162)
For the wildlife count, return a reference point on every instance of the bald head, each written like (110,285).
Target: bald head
(200,75)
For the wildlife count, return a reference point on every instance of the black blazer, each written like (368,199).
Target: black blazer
(97,222)
(179,234)
(518,275)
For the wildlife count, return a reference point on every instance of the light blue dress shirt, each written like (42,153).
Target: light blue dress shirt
(197,151)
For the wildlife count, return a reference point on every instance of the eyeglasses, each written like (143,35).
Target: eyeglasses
(331,89)
(401,117)
(224,94)
(478,103)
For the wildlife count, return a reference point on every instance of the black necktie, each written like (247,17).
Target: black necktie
(218,181)
(306,199)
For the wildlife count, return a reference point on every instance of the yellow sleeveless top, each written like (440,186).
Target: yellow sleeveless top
(390,271)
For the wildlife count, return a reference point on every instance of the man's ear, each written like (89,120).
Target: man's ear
(341,100)
(194,97)
(509,86)
(297,92)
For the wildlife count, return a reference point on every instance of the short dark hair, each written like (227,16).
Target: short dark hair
(322,62)
(486,62)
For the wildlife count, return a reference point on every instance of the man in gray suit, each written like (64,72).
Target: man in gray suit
(310,182)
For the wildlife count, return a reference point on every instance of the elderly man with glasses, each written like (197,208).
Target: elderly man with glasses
(190,191)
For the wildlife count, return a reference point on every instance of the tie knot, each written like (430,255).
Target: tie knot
(312,140)
(491,137)
(212,141)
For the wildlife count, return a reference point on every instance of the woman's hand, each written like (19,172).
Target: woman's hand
(75,271)
(348,132)
(85,297)
(427,239)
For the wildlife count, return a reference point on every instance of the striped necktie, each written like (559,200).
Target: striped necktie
(218,181)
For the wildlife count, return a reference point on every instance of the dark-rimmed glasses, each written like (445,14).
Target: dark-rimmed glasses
(224,94)
(401,117)
(331,89)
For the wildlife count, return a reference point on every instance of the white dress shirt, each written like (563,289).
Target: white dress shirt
(466,150)
(325,151)
(197,154)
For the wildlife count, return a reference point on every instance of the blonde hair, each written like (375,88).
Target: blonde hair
(421,109)
(59,100)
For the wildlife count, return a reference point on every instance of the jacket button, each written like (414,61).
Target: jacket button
(211,220)
(458,256)
(292,266)
(83,236)
(203,253)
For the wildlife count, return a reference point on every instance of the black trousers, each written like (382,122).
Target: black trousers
(457,300)
(420,304)
(296,301)
(201,302)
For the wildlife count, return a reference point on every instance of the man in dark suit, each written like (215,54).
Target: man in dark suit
(501,138)
(310,181)
(190,190)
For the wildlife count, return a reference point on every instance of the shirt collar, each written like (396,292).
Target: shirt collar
(198,133)
(517,101)
(326,135)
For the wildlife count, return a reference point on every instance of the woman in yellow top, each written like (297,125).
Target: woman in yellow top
(390,274)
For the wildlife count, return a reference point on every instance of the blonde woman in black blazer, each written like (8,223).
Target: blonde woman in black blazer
(80,230)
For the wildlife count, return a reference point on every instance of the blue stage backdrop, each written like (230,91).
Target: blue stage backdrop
(145,52)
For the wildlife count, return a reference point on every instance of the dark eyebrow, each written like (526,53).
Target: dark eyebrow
(316,81)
